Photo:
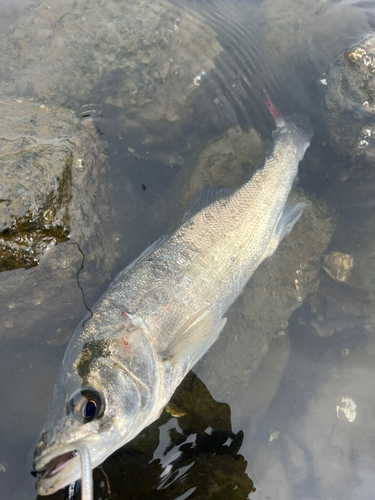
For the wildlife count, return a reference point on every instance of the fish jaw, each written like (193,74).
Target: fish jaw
(56,470)
(57,467)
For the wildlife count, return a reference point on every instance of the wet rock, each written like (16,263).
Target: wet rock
(228,159)
(36,161)
(348,306)
(338,265)
(349,97)
(349,114)
(335,308)
(54,186)
(143,60)
(360,225)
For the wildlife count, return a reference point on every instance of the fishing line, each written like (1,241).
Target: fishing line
(79,284)
(71,488)
(106,480)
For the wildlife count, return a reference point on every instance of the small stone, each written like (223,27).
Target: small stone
(338,265)
(348,408)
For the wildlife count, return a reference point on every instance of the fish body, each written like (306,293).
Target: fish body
(162,313)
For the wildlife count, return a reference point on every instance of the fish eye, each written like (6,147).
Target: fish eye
(86,404)
(90,409)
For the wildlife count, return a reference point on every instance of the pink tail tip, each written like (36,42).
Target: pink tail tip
(276,113)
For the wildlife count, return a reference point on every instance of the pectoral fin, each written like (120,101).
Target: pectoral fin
(288,217)
(193,340)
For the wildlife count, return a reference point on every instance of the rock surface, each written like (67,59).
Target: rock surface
(346,304)
(145,59)
(54,190)
(349,114)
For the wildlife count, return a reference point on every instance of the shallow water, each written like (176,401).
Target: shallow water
(283,401)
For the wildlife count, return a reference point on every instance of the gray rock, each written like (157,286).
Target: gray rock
(349,114)
(36,162)
(144,59)
(55,186)
(360,226)
(335,308)
(350,101)
(346,304)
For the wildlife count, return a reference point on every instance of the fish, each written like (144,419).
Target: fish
(163,312)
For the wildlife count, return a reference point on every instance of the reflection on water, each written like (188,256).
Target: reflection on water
(180,92)
(193,456)
(190,452)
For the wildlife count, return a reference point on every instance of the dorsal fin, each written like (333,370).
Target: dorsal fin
(204,197)
(148,251)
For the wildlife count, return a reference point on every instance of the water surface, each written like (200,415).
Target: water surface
(281,407)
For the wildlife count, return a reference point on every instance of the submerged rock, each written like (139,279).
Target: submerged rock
(143,59)
(334,308)
(350,101)
(338,265)
(344,300)
(349,115)
(360,225)
(38,149)
(54,190)
(144,62)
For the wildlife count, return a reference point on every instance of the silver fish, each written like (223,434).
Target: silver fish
(162,313)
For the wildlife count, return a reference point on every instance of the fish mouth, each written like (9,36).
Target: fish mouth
(57,469)
(60,465)
(56,465)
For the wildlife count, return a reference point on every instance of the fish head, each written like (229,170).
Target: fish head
(94,403)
